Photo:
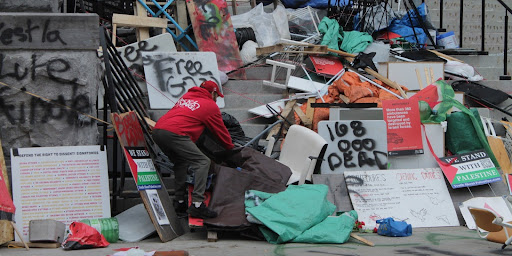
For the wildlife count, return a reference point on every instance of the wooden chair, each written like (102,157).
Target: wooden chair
(487,222)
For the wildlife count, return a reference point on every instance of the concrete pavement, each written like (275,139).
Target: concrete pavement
(453,241)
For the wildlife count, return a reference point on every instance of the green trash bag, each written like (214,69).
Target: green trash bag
(461,134)
(288,214)
(441,111)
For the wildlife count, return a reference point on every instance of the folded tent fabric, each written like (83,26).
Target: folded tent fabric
(287,214)
(330,29)
(332,230)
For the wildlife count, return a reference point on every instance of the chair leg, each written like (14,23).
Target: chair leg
(503,246)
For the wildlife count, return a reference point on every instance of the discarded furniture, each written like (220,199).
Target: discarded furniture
(488,221)
(301,150)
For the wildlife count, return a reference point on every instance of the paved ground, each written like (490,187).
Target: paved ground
(453,241)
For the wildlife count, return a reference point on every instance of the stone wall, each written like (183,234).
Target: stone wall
(50,75)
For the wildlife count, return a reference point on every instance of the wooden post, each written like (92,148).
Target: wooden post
(142,32)
(310,112)
(19,235)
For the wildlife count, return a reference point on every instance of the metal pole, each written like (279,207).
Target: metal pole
(483,26)
(461,22)
(441,9)
(505,46)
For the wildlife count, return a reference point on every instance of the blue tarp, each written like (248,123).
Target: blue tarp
(313,3)
(404,26)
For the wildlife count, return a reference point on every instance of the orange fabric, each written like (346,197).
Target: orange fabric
(356,90)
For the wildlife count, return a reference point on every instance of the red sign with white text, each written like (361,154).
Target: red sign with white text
(403,127)
(327,65)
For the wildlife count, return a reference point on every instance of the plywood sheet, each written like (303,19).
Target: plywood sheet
(408,73)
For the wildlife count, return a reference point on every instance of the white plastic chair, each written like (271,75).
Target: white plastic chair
(487,221)
(301,150)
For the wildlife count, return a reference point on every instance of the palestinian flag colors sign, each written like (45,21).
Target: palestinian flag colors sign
(142,168)
(469,169)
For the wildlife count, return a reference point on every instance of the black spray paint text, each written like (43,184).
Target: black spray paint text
(29,32)
(362,146)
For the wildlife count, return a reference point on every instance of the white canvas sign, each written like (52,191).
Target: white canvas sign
(132,54)
(61,183)
(354,145)
(418,196)
(170,75)
(415,75)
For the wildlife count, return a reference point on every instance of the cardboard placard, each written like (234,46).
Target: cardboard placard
(327,65)
(353,145)
(470,169)
(61,183)
(403,127)
(130,134)
(418,196)
(415,75)
(170,75)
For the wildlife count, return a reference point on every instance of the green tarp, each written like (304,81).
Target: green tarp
(300,214)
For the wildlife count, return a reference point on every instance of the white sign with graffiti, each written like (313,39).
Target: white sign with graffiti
(354,145)
(170,75)
(419,196)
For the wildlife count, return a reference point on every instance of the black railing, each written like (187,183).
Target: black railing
(508,10)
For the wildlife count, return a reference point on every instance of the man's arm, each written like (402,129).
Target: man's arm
(216,125)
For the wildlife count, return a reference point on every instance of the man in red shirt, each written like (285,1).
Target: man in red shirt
(176,133)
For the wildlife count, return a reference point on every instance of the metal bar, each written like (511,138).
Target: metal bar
(483,26)
(505,46)
(505,5)
(441,11)
(172,20)
(108,71)
(422,24)
(461,22)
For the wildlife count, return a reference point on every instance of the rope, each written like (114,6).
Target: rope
(54,103)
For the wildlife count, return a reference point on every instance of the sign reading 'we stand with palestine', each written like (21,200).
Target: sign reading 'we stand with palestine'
(469,169)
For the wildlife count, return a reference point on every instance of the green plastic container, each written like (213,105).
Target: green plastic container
(108,227)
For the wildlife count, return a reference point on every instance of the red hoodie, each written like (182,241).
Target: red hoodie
(192,113)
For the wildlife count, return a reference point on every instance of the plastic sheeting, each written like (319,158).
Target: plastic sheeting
(300,214)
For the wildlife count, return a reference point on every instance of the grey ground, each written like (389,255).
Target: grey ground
(453,241)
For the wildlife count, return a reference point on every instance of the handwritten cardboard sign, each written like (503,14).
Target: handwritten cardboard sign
(403,127)
(418,196)
(353,145)
(170,75)
(469,169)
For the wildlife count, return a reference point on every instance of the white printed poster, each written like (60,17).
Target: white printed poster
(354,145)
(418,196)
(66,184)
(170,75)
(158,208)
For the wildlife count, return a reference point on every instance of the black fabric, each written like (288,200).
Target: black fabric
(422,55)
(251,160)
(228,196)
(363,60)
(478,91)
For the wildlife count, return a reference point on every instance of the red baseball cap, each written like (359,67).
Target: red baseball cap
(211,86)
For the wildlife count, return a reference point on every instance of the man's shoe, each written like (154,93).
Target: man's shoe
(201,212)
(180,208)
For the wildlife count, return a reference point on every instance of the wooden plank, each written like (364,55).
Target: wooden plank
(310,111)
(129,132)
(61,31)
(6,230)
(285,113)
(307,122)
(363,240)
(138,21)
